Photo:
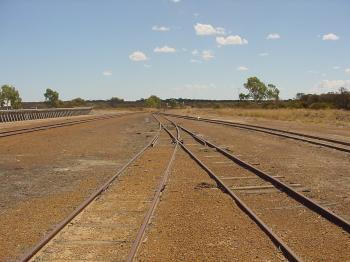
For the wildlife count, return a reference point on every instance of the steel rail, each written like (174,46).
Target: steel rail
(304,200)
(161,187)
(84,204)
(51,126)
(278,242)
(272,131)
(22,129)
(270,128)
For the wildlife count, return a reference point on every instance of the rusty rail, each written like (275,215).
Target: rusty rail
(31,114)
(136,244)
(279,243)
(83,205)
(324,212)
(336,144)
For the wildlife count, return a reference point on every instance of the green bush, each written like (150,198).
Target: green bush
(153,101)
(320,105)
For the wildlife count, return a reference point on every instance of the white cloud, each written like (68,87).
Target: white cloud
(220,31)
(263,54)
(207,55)
(195,52)
(330,37)
(347,70)
(336,67)
(164,49)
(273,36)
(203,29)
(195,61)
(107,73)
(242,68)
(137,56)
(204,54)
(330,86)
(207,29)
(175,1)
(231,40)
(160,28)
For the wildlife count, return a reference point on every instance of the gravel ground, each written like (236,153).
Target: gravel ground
(105,230)
(325,172)
(197,222)
(319,129)
(285,216)
(46,174)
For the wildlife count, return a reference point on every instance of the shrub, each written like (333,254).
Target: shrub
(320,105)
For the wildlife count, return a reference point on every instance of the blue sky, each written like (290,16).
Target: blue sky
(172,48)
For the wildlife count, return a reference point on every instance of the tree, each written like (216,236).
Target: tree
(9,96)
(272,92)
(52,97)
(153,101)
(258,91)
(115,101)
(243,96)
(172,102)
(256,88)
(343,98)
(299,96)
(343,90)
(77,102)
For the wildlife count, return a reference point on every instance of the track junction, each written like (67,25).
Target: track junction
(113,223)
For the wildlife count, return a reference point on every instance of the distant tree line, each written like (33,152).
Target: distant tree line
(52,100)
(258,95)
(340,100)
(10,99)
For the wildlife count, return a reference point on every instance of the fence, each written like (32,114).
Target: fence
(29,114)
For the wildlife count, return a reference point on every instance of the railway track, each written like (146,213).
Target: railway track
(136,244)
(110,224)
(315,140)
(19,131)
(301,228)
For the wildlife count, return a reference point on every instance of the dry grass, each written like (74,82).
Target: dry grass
(328,117)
